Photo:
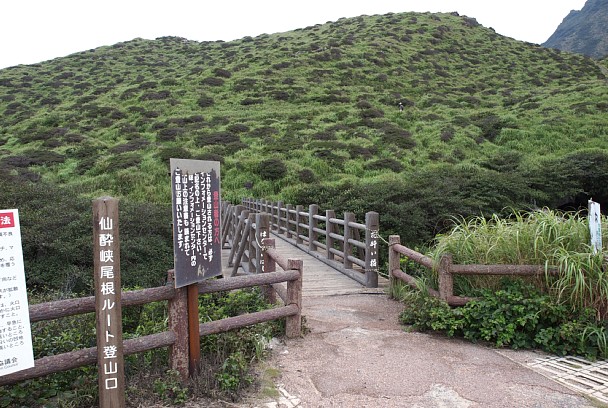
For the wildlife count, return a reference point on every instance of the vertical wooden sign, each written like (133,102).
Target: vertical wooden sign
(107,303)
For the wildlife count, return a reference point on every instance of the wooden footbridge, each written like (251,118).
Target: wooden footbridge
(340,256)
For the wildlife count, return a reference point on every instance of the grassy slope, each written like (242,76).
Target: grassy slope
(322,99)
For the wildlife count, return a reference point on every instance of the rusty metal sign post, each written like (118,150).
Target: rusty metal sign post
(195,187)
(108,311)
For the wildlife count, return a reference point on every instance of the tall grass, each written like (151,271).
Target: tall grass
(542,237)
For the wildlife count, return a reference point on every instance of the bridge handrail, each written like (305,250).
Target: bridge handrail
(446,269)
(342,243)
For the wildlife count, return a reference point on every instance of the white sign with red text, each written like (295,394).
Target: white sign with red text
(16,352)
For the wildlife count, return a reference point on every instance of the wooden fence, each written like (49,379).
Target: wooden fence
(342,243)
(446,271)
(176,338)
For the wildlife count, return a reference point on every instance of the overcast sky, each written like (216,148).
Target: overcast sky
(32,31)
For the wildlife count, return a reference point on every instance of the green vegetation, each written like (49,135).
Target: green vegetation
(566,314)
(226,364)
(488,122)
(307,116)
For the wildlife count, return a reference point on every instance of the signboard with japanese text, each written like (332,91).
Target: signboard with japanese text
(16,352)
(595,226)
(110,362)
(195,186)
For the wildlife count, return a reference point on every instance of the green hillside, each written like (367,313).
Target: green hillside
(312,115)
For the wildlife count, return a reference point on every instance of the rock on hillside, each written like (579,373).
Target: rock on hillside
(583,32)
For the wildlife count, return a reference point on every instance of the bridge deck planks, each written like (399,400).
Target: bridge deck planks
(319,278)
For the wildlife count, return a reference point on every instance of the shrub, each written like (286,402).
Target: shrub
(380,164)
(205,101)
(223,73)
(252,101)
(517,315)
(272,169)
(306,176)
(166,153)
(213,81)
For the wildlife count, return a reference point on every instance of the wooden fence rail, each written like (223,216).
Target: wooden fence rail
(446,271)
(342,243)
(176,337)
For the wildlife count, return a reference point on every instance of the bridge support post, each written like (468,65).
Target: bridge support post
(372,225)
(262,231)
(348,234)
(299,209)
(288,228)
(313,224)
(269,265)
(329,241)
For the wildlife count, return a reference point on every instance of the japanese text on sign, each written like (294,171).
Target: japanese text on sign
(107,303)
(16,351)
(196,220)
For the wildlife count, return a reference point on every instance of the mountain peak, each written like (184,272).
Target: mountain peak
(583,32)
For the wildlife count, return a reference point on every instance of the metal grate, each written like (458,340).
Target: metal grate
(590,378)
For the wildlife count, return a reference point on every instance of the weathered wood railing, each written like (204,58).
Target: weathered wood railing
(446,271)
(342,243)
(176,338)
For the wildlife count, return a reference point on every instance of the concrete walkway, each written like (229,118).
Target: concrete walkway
(356,354)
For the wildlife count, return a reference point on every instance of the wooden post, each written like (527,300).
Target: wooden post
(194,338)
(372,224)
(313,223)
(288,221)
(446,280)
(269,266)
(348,234)
(108,311)
(299,209)
(238,235)
(329,241)
(262,231)
(252,244)
(293,324)
(394,258)
(279,219)
(178,323)
(242,246)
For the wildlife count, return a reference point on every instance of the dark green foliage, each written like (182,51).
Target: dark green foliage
(213,81)
(388,164)
(238,128)
(515,316)
(272,169)
(205,101)
(167,153)
(122,161)
(573,179)
(130,146)
(306,176)
(57,237)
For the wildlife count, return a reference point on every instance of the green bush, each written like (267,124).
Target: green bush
(515,316)
(272,169)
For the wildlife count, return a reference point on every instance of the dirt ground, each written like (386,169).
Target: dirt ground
(356,354)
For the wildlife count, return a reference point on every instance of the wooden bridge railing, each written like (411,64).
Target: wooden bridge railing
(176,338)
(342,243)
(446,271)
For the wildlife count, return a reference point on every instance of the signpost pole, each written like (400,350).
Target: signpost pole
(197,237)
(194,338)
(107,303)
